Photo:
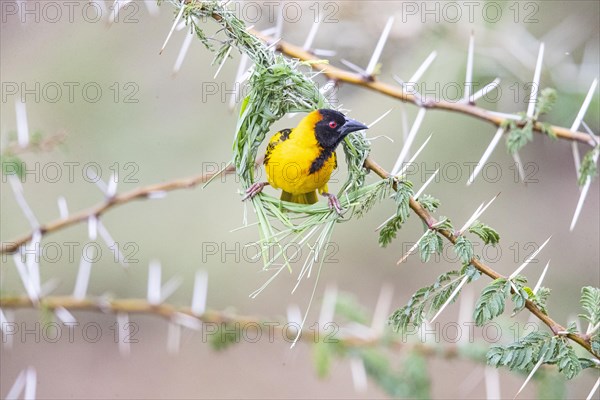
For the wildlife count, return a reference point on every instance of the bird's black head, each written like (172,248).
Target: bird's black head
(333,127)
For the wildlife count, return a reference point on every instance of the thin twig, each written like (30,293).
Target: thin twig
(341,75)
(172,313)
(140,193)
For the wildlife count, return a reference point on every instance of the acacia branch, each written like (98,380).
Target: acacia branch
(426,217)
(370,82)
(140,193)
(171,312)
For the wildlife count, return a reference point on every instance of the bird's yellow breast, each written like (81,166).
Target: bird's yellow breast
(290,161)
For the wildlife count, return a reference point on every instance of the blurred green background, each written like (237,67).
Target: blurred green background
(175,128)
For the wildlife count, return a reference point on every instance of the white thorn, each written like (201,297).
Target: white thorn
(595,138)
(294,315)
(92,176)
(486,155)
(480,210)
(200,293)
(223,62)
(173,338)
(185,46)
(17,189)
(159,194)
(111,244)
(33,256)
(582,196)
(409,252)
(26,279)
(111,188)
(592,329)
(279,23)
(593,391)
(452,296)
(538,365)
(469,71)
(577,123)
(519,165)
(273,44)
(154,280)
(542,276)
(181,9)
(379,48)
(359,374)
(411,137)
(405,128)
(92,227)
(49,286)
(576,157)
(64,315)
(485,90)
(382,308)
(17,387)
(492,384)
(529,259)
(385,114)
(584,106)
(431,178)
(30,384)
(423,67)
(170,287)
(242,67)
(535,85)
(324,53)
(181,25)
(62,207)
(465,312)
(83,275)
(328,306)
(385,222)
(123,327)
(22,124)
(354,67)
(311,35)
(187,321)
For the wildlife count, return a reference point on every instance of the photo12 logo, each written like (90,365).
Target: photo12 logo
(70,92)
(469,11)
(53,12)
(68,331)
(70,172)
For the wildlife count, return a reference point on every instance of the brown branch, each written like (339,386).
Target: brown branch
(422,213)
(119,199)
(341,75)
(170,312)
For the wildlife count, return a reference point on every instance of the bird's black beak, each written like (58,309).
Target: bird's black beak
(352,126)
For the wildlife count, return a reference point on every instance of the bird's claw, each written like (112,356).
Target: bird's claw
(334,203)
(253,190)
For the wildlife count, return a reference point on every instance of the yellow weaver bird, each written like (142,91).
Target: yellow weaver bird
(300,161)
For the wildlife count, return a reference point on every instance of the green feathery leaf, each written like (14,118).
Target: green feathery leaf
(492,300)
(485,233)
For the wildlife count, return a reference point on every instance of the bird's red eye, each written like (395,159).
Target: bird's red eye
(333,124)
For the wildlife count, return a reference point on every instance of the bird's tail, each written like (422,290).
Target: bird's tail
(304,198)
